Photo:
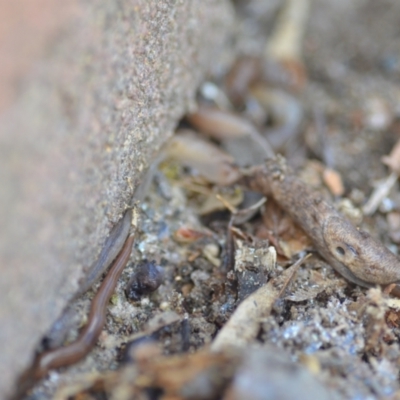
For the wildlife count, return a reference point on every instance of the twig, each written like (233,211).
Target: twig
(295,268)
(379,193)
(285,43)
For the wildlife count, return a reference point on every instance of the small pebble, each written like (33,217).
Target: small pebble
(377,114)
(146,278)
(211,253)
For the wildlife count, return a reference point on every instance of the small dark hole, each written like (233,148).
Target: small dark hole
(340,250)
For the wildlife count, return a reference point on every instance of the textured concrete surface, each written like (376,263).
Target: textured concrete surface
(106,91)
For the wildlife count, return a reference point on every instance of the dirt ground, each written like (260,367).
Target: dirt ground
(324,336)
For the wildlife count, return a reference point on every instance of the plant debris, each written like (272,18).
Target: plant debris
(244,324)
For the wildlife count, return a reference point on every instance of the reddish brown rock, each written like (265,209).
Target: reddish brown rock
(99,90)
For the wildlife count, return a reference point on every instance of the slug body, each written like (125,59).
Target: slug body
(72,353)
(351,252)
(365,258)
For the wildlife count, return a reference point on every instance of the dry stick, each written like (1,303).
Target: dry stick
(286,41)
(243,215)
(379,193)
(352,252)
(293,272)
(244,324)
(383,189)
